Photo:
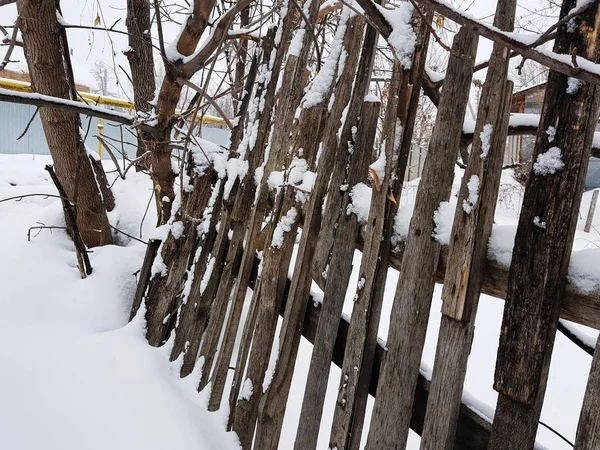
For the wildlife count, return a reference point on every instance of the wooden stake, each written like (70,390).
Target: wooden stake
(544,241)
(590,216)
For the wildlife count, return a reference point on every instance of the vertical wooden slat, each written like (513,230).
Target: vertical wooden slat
(410,311)
(340,267)
(544,240)
(588,430)
(273,404)
(471,229)
(403,99)
(590,216)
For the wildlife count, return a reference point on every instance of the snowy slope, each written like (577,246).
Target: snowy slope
(73,376)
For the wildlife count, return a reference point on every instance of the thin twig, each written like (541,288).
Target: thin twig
(29,123)
(11,46)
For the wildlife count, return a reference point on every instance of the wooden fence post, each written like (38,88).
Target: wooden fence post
(410,312)
(544,239)
(273,403)
(590,216)
(350,168)
(403,99)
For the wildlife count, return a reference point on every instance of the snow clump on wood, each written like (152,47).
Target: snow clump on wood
(284,226)
(486,139)
(360,196)
(548,163)
(402,39)
(471,200)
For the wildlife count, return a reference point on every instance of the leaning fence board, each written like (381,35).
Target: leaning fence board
(340,265)
(471,230)
(410,311)
(544,241)
(402,104)
(278,248)
(590,216)
(274,401)
(588,430)
(473,431)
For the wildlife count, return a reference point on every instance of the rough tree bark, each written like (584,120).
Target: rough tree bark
(44,52)
(141,62)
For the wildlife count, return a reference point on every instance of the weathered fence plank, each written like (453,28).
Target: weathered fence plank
(402,103)
(410,311)
(273,404)
(544,240)
(471,230)
(588,429)
(340,264)
(590,216)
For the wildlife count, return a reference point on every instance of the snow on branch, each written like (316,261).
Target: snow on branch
(576,67)
(573,66)
(68,105)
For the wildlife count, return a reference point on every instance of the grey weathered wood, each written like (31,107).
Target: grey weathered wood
(356,344)
(163,294)
(456,336)
(468,247)
(410,312)
(242,210)
(402,104)
(273,404)
(473,224)
(340,267)
(590,216)
(588,429)
(216,242)
(334,196)
(541,254)
(352,158)
(276,205)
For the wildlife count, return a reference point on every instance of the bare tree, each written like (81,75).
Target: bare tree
(81,176)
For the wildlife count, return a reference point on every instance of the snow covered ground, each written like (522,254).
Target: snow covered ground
(74,376)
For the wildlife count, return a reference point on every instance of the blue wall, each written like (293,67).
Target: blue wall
(14,118)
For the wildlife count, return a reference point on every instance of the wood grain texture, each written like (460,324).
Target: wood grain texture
(410,312)
(541,255)
(588,429)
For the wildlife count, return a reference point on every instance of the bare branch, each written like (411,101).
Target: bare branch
(578,67)
(11,45)
(67,105)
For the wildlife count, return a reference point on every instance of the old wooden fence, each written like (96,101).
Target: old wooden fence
(239,215)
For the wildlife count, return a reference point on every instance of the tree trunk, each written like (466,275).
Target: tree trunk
(141,62)
(44,51)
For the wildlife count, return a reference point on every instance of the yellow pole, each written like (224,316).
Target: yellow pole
(100,128)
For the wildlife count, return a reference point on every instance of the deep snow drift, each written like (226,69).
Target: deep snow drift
(73,376)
